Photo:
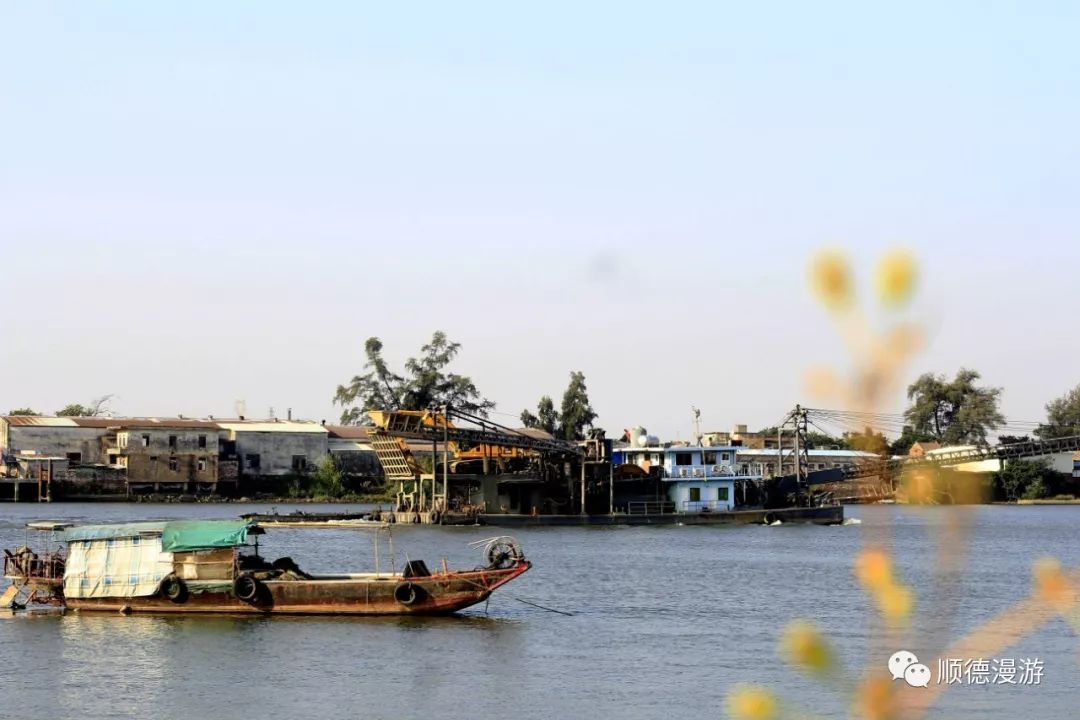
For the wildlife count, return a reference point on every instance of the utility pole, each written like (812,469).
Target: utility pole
(697,425)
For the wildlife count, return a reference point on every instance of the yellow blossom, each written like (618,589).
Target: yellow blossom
(873,568)
(830,276)
(1051,585)
(895,602)
(751,702)
(896,275)
(874,700)
(802,644)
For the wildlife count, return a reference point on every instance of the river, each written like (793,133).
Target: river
(664,621)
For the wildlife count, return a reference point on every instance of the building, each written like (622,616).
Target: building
(765,461)
(741,437)
(276,447)
(166,451)
(350,446)
(78,439)
(920,448)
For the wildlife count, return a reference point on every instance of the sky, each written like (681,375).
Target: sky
(205,202)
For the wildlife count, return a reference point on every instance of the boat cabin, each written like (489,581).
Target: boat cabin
(700,479)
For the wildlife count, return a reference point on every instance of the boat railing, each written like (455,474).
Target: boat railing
(705,505)
(28,565)
(650,507)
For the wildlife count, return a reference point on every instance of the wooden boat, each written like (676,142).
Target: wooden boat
(306,520)
(210,567)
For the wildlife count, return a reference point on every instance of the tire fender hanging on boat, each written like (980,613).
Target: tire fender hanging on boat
(174,588)
(246,587)
(407,593)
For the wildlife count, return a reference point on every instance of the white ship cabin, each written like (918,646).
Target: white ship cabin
(700,479)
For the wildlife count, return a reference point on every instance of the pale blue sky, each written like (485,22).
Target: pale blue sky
(208,201)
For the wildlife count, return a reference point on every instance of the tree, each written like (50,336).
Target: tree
(953,412)
(22,411)
(1027,479)
(98,406)
(908,437)
(576,413)
(1062,416)
(1013,439)
(424,384)
(546,417)
(867,441)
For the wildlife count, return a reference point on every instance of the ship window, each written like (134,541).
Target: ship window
(695,494)
(721,494)
(710,458)
(725,457)
(684,458)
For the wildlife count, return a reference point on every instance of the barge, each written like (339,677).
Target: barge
(211,567)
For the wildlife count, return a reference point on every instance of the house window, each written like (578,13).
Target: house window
(251,461)
(684,458)
(725,457)
(299,463)
(695,494)
(710,458)
(200,464)
(172,442)
(153,463)
(174,464)
(74,457)
(721,494)
(202,441)
(146,441)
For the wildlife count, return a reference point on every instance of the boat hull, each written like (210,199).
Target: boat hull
(441,594)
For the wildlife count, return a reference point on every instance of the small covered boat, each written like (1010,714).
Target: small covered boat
(209,566)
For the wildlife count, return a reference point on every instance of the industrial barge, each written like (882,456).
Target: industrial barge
(210,567)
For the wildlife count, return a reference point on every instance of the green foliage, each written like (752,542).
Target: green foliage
(1028,479)
(907,438)
(953,412)
(97,406)
(576,413)
(328,479)
(1062,416)
(866,441)
(424,384)
(546,417)
(22,411)
(821,441)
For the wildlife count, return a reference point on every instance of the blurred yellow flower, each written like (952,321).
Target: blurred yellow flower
(751,702)
(874,700)
(830,276)
(873,568)
(896,274)
(895,602)
(1051,585)
(802,644)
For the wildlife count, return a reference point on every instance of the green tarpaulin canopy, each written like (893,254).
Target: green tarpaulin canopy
(201,534)
(176,535)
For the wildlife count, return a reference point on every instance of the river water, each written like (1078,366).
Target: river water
(664,621)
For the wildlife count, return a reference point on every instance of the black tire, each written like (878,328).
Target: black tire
(407,593)
(246,587)
(769,519)
(174,589)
